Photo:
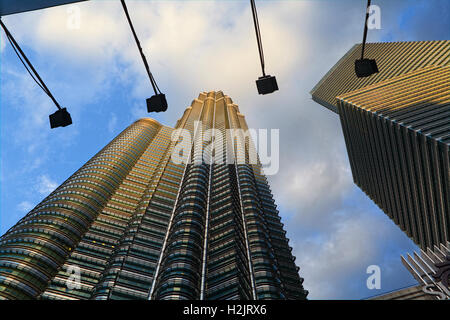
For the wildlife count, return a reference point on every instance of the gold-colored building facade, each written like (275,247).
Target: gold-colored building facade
(393,59)
(396,126)
(137,225)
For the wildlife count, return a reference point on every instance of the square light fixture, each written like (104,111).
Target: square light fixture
(61,118)
(157,103)
(266,84)
(365,67)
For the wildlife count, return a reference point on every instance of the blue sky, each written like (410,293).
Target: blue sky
(96,72)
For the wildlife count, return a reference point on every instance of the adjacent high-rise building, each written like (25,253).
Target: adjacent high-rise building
(431,269)
(396,126)
(134,224)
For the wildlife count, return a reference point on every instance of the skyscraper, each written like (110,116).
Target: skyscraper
(396,129)
(133,224)
(393,58)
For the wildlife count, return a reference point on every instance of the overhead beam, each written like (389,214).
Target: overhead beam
(17,6)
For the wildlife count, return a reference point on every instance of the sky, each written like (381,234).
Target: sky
(94,69)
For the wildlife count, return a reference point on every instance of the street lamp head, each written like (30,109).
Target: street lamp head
(365,67)
(157,103)
(61,118)
(266,84)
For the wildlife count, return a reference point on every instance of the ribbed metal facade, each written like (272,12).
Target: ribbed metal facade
(393,59)
(431,268)
(140,226)
(398,137)
(396,126)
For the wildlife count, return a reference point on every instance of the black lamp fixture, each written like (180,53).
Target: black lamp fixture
(157,102)
(60,118)
(267,83)
(365,67)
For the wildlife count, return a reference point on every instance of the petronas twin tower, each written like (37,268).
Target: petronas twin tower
(133,224)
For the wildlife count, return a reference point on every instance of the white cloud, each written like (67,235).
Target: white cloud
(46,185)
(102,30)
(112,123)
(332,263)
(313,190)
(25,206)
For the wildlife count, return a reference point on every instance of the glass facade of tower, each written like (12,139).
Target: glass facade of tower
(396,129)
(393,58)
(398,139)
(137,225)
